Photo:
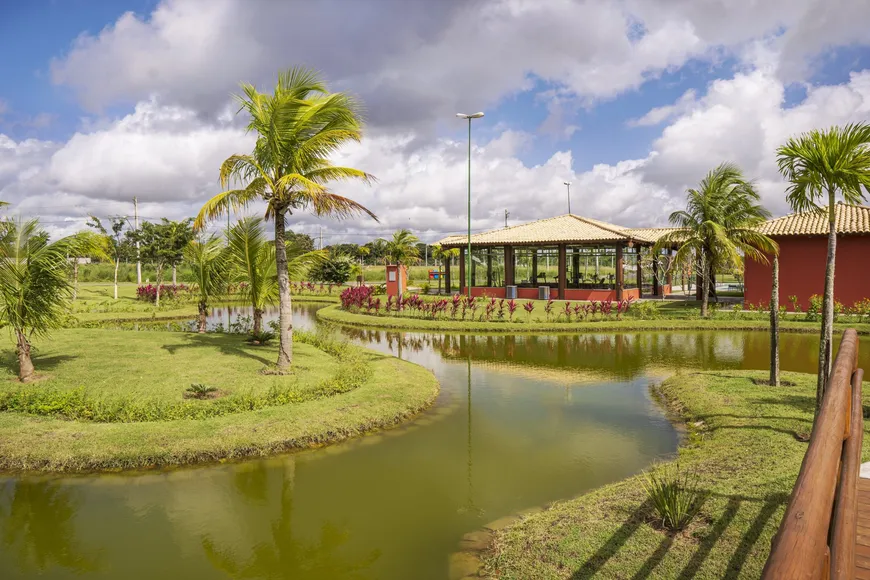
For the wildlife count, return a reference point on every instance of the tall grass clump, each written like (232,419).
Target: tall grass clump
(674,495)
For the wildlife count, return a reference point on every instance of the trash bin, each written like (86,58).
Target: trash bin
(511,292)
(543,292)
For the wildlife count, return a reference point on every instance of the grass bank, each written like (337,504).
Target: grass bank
(721,321)
(104,386)
(743,444)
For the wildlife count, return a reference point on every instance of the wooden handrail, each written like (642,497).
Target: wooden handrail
(801,548)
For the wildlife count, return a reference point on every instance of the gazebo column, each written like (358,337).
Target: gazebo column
(563,271)
(575,268)
(447,273)
(619,272)
(489,267)
(509,265)
(639,272)
(462,279)
(655,270)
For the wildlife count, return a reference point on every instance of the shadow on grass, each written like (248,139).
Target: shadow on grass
(9,360)
(641,516)
(228,345)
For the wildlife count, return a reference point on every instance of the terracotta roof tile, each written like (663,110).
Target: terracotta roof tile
(560,229)
(851,219)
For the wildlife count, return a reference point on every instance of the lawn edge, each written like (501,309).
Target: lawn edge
(335,315)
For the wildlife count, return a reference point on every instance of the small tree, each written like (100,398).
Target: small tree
(35,290)
(208,260)
(333,270)
(402,249)
(113,242)
(163,244)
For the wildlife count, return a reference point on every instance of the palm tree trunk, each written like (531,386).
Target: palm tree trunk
(174,268)
(705,287)
(825,344)
(25,364)
(774,325)
(203,312)
(285,311)
(117,263)
(158,279)
(75,278)
(258,320)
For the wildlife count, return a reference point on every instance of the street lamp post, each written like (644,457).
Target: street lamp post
(468,265)
(568,184)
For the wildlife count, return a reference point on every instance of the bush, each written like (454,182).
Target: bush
(335,270)
(675,496)
(814,310)
(200,391)
(167,292)
(646,310)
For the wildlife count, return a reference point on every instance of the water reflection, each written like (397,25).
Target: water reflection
(520,421)
(37,527)
(284,554)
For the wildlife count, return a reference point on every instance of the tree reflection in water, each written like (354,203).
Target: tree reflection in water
(287,556)
(37,527)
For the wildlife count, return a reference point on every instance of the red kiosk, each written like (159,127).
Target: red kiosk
(397,279)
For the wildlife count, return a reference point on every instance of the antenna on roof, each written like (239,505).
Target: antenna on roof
(506,214)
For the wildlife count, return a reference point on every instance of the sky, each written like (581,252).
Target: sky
(632,101)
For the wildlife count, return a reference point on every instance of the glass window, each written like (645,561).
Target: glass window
(547,266)
(629,267)
(487,267)
(591,267)
(524,266)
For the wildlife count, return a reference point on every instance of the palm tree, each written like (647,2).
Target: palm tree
(718,225)
(35,290)
(299,127)
(208,260)
(402,249)
(820,165)
(252,259)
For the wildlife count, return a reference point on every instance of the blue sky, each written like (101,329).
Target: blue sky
(147,99)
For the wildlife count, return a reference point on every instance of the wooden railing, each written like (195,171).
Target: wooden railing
(817,536)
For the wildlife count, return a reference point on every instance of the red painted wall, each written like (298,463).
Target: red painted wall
(802,271)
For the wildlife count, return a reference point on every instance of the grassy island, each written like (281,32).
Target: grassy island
(109,400)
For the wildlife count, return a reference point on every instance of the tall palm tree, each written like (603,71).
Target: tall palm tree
(208,260)
(402,249)
(252,259)
(821,165)
(718,225)
(299,127)
(35,290)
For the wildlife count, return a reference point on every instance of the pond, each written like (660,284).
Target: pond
(520,421)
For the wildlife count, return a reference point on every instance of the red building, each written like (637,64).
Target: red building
(803,248)
(568,257)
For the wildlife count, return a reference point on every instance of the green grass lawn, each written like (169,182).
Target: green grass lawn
(137,367)
(742,444)
(161,365)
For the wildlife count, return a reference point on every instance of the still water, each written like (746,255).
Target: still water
(520,421)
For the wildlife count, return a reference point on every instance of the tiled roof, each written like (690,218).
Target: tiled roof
(560,229)
(650,234)
(851,219)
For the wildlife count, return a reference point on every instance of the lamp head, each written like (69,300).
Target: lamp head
(477,115)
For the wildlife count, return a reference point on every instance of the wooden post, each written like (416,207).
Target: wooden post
(639,273)
(655,270)
(447,273)
(462,252)
(563,271)
(489,267)
(535,267)
(619,272)
(509,265)
(575,268)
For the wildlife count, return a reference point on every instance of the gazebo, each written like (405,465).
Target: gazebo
(568,257)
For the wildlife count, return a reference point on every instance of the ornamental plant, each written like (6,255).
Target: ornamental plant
(529,307)
(512,307)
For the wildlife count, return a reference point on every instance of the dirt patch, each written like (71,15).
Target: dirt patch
(766,382)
